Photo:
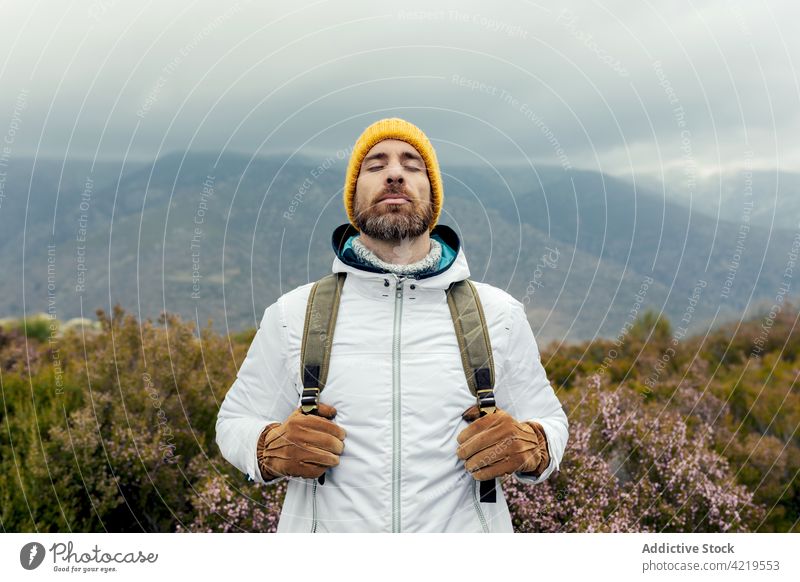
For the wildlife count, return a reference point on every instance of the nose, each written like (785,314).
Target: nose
(394,177)
(394,174)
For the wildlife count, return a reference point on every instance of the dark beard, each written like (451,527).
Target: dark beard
(393,223)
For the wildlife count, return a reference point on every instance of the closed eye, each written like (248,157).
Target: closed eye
(412,168)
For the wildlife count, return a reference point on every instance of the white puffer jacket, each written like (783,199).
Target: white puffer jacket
(398,385)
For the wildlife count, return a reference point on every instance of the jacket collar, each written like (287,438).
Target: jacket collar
(345,260)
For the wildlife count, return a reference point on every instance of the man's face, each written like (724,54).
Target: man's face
(393,193)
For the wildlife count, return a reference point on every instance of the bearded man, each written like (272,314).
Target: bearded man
(396,433)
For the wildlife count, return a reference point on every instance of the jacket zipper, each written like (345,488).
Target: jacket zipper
(478,506)
(398,312)
(396,524)
(314,507)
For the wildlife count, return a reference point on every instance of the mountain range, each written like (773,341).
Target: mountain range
(221,237)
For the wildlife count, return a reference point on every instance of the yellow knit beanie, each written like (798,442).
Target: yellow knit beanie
(393,128)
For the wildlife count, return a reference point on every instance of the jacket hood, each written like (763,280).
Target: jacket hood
(452,267)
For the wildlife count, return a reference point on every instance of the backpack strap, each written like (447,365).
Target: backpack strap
(473,342)
(471,332)
(315,353)
(476,354)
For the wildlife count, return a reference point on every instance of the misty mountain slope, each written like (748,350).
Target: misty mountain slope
(770,197)
(224,240)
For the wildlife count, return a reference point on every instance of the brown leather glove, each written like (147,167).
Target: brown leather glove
(304,445)
(497,445)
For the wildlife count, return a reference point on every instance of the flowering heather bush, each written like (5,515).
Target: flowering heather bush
(122,438)
(631,466)
(222,507)
(107,444)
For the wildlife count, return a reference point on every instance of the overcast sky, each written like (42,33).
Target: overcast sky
(613,86)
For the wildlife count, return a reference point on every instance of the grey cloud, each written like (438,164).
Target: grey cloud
(197,74)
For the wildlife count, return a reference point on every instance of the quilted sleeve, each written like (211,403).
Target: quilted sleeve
(263,393)
(524,391)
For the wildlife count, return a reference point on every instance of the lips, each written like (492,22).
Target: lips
(394,199)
